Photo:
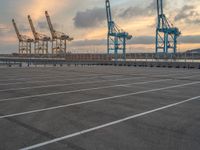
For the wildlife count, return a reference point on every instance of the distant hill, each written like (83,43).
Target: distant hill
(194,51)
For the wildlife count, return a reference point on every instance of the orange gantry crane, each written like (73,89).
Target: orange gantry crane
(41,41)
(59,39)
(24,41)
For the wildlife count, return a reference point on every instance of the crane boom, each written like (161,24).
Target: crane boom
(109,15)
(166,33)
(33,28)
(16,30)
(59,39)
(160,7)
(159,12)
(41,41)
(24,41)
(50,24)
(116,37)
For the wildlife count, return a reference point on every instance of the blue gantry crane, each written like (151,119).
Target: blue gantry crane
(166,33)
(116,38)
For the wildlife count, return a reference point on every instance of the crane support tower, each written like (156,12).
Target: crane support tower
(166,33)
(116,38)
(41,41)
(59,39)
(25,42)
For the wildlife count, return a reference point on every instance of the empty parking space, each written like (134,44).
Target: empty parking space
(102,107)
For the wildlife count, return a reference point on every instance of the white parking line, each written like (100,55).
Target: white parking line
(94,74)
(32,77)
(59,85)
(44,81)
(179,75)
(47,77)
(87,75)
(66,92)
(108,124)
(98,100)
(192,76)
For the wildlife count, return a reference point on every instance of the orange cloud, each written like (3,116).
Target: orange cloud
(99,33)
(36,8)
(8,39)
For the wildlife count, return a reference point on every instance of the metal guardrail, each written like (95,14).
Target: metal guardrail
(135,62)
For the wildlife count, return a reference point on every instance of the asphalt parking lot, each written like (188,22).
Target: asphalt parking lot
(99,108)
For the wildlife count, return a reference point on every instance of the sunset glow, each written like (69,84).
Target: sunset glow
(65,14)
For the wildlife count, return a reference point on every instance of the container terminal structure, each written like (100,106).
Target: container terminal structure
(59,39)
(41,41)
(166,33)
(166,42)
(25,42)
(116,37)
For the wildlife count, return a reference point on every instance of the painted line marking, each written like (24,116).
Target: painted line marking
(108,124)
(57,85)
(192,76)
(43,81)
(95,100)
(67,92)
(87,75)
(35,77)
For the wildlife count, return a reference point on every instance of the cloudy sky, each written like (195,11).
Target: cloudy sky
(85,20)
